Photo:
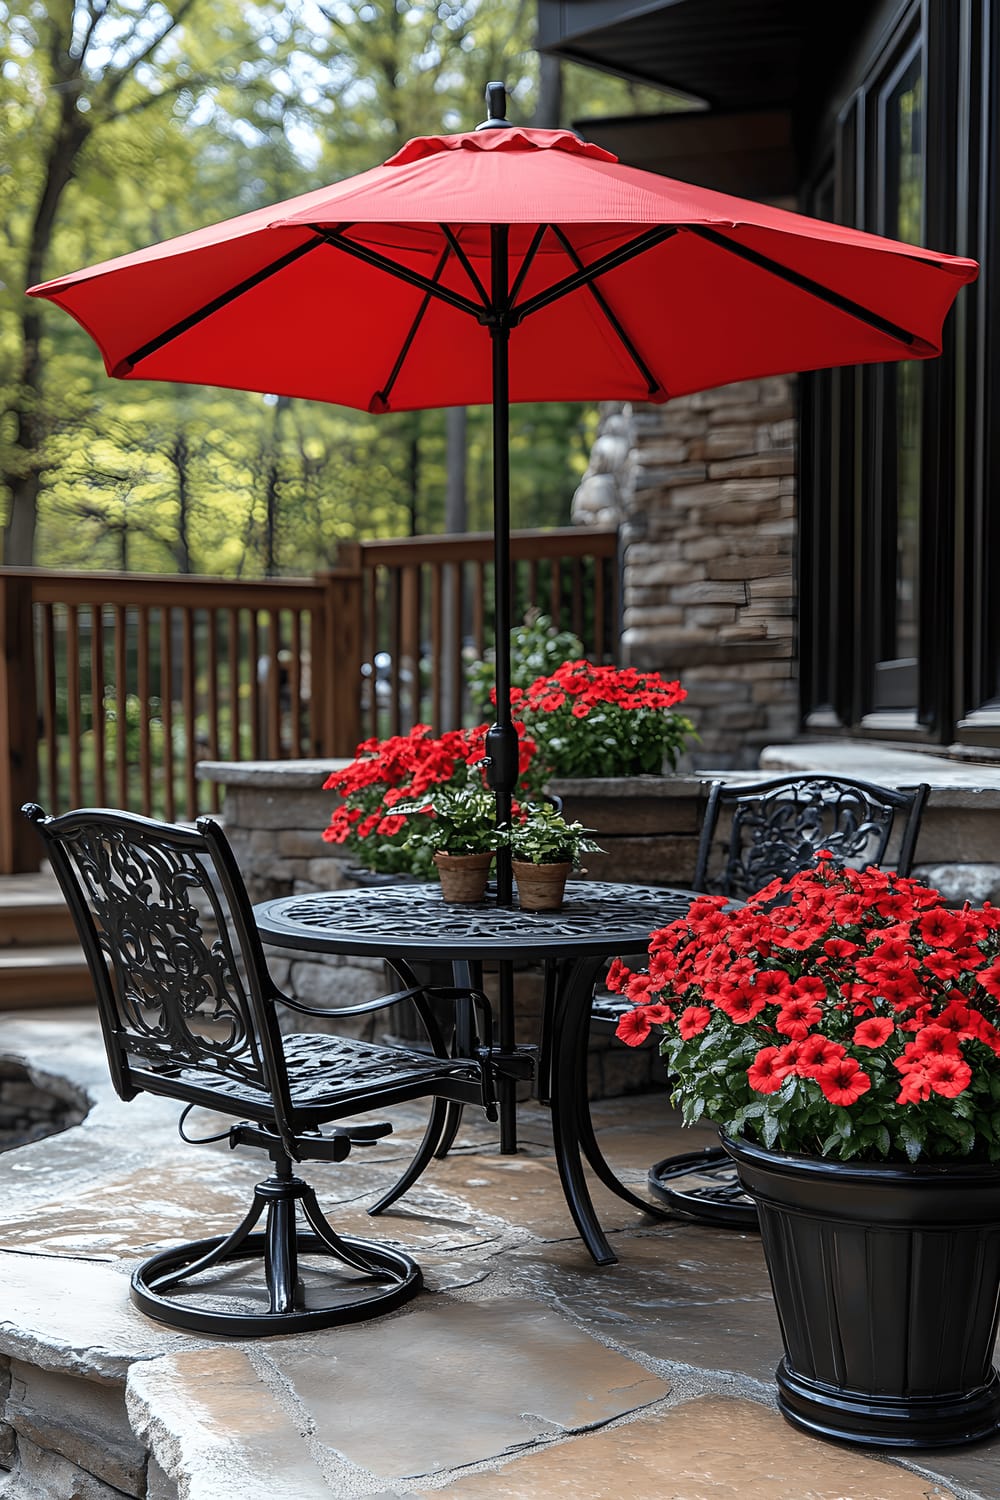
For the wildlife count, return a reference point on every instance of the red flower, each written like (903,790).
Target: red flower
(948,1075)
(617,977)
(772,984)
(817,1052)
(796,1017)
(873,1032)
(843,1082)
(693,1020)
(765,1074)
(741,1004)
(634,1027)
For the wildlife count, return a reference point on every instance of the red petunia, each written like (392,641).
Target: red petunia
(634,1026)
(817,1052)
(873,1032)
(765,1074)
(693,1021)
(843,1082)
(796,1017)
(772,984)
(617,976)
(948,1075)
(741,1004)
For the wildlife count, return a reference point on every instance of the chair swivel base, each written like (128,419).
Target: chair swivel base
(713,1197)
(226,1300)
(402,1280)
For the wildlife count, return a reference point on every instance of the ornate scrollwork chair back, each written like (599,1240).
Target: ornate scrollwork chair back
(776,827)
(188,1010)
(179,975)
(774,831)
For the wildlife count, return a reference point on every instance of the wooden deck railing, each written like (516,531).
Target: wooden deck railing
(113,686)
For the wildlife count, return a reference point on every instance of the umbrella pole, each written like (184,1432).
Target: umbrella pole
(501,740)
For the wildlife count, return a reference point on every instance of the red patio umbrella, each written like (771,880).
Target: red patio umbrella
(500,265)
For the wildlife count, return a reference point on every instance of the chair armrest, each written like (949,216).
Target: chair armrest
(363,1008)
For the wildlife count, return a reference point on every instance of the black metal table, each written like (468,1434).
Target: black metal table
(411,923)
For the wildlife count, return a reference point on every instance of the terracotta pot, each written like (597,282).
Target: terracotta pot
(463,876)
(541,887)
(886,1280)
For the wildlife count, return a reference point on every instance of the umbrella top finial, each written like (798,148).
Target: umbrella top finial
(496,108)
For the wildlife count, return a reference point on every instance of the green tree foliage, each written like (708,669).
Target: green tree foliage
(128,121)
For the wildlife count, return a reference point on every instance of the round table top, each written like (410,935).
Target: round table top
(412,921)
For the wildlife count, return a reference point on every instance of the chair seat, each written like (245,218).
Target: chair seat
(330,1075)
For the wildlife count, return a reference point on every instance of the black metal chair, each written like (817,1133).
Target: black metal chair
(188,1010)
(774,830)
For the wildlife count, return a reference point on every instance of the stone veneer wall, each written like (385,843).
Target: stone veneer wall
(703,490)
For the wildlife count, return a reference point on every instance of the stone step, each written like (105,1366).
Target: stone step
(49,974)
(33,912)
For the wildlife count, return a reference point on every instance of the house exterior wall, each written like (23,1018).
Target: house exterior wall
(704,492)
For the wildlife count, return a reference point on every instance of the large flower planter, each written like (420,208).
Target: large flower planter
(886,1280)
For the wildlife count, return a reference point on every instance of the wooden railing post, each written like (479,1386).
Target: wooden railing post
(336,667)
(19,846)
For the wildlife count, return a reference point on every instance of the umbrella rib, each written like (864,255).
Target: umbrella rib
(645,241)
(466,263)
(336,240)
(124,366)
(380,401)
(805,284)
(526,263)
(653,385)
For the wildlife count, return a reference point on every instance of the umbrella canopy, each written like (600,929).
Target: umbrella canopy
(375,292)
(502,265)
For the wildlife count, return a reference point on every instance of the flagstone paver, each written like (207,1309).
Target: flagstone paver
(707,1449)
(476,1380)
(206,1413)
(523,1372)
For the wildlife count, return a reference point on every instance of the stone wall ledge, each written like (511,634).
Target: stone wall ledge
(303,774)
(953,784)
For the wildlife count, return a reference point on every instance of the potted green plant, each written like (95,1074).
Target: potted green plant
(597,721)
(386,774)
(456,826)
(843,1031)
(544,848)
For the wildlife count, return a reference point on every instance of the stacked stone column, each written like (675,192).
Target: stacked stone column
(704,491)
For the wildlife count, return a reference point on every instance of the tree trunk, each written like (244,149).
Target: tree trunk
(30,423)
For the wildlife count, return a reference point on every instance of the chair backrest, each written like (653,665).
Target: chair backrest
(775,828)
(173,951)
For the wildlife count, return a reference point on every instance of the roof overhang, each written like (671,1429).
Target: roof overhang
(750,154)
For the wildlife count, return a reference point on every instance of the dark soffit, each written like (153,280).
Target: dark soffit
(728,54)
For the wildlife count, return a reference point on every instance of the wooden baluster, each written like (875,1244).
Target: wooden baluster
(479,610)
(599,621)
(121,704)
(167,709)
(212,684)
(273,686)
(253,651)
(295,687)
(233,655)
(49,726)
(555,593)
(73,703)
(189,711)
(576,581)
(437,648)
(97,690)
(145,710)
(19,846)
(455,667)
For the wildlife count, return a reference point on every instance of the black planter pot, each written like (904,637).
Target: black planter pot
(887,1284)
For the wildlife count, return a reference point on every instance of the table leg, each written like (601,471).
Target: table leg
(568,1084)
(507,1087)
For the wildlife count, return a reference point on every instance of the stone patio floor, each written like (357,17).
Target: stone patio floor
(522,1370)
